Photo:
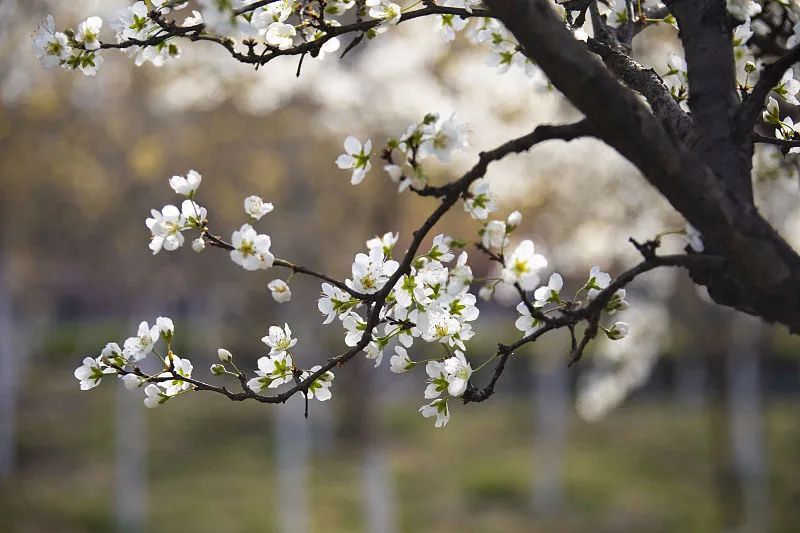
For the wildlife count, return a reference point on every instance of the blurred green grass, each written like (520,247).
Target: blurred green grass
(647,467)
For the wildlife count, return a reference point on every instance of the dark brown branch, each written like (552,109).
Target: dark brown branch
(708,45)
(784,144)
(452,193)
(649,84)
(591,312)
(762,272)
(197,33)
(218,242)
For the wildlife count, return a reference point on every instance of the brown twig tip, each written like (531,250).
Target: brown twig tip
(647,248)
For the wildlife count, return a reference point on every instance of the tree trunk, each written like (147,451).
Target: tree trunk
(9,375)
(746,425)
(551,405)
(131,462)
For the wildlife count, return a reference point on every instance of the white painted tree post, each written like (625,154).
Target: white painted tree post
(293,445)
(131,462)
(746,420)
(552,408)
(377,483)
(9,374)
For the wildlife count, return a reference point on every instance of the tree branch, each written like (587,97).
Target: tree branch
(197,32)
(590,312)
(450,194)
(762,272)
(750,109)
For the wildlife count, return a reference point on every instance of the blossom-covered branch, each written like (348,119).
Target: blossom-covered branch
(699,161)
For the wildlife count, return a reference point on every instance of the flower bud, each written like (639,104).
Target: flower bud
(749,67)
(224,355)
(217,369)
(165,327)
(513,221)
(618,331)
(198,245)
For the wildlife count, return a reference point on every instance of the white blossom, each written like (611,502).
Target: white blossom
(513,220)
(439,409)
(183,368)
(110,352)
(440,249)
(88,32)
(198,244)
(617,302)
(371,272)
(279,340)
(280,34)
(438,325)
(522,266)
(598,280)
(355,326)
(273,371)
(374,351)
(256,208)
(742,34)
(462,306)
(385,243)
(165,227)
(188,185)
(165,327)
(549,293)
(320,388)
(744,9)
(281,292)
(193,214)
(154,396)
(389,12)
(618,331)
(132,381)
(51,47)
(526,323)
(493,235)
(788,87)
(448,24)
(481,200)
(91,372)
(138,347)
(356,157)
(458,372)
(400,363)
(442,137)
(437,379)
(334,301)
(460,275)
(251,250)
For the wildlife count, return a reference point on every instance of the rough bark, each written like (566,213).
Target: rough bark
(708,45)
(762,272)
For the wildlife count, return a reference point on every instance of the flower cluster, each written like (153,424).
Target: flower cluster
(79,49)
(548,298)
(423,297)
(71,49)
(248,249)
(174,379)
(450,377)
(175,376)
(433,136)
(785,128)
(431,303)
